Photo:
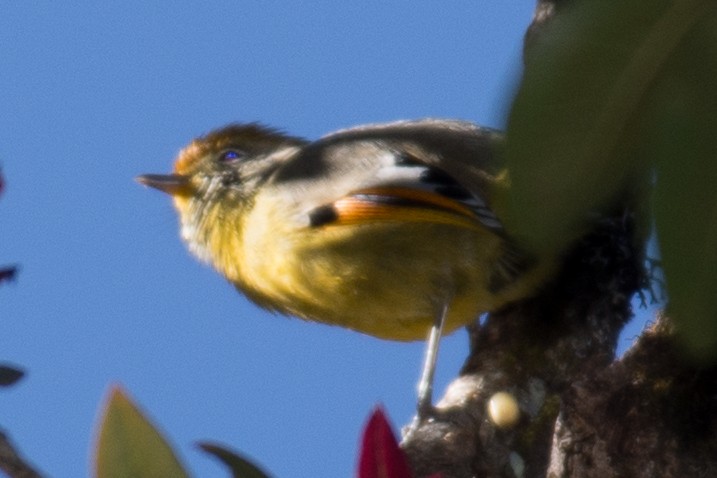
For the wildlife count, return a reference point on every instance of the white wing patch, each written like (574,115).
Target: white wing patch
(401,169)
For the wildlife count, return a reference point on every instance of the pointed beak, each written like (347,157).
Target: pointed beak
(173,184)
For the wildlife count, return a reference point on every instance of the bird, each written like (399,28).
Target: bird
(392,229)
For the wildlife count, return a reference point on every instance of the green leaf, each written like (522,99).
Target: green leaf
(129,446)
(9,375)
(619,96)
(574,144)
(237,464)
(683,132)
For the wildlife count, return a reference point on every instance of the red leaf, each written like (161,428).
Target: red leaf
(380,455)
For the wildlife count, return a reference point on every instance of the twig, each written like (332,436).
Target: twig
(11,463)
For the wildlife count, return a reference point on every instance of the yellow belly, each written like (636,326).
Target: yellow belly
(389,280)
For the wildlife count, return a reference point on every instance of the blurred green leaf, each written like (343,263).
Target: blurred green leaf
(129,446)
(573,143)
(683,136)
(9,375)
(238,465)
(617,96)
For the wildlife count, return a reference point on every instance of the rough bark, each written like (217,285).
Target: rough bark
(538,350)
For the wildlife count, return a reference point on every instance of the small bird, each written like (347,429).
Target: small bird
(387,229)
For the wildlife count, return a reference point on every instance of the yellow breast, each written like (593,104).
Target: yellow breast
(387,279)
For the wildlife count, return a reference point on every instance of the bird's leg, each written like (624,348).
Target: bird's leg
(425,384)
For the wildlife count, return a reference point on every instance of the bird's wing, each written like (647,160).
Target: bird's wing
(401,188)
(432,171)
(414,171)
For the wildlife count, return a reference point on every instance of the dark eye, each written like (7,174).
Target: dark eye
(231,155)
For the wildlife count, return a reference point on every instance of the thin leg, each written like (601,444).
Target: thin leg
(425,384)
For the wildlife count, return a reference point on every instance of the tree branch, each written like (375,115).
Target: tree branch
(535,350)
(11,463)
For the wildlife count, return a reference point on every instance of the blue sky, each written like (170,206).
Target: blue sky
(93,94)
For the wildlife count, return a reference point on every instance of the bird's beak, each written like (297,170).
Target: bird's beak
(173,184)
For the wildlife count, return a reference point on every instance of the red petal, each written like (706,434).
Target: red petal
(380,456)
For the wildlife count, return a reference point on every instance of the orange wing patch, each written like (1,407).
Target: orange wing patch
(394,204)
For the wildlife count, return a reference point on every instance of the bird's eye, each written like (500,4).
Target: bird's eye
(230,156)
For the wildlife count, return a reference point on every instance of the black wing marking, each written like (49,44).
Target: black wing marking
(434,179)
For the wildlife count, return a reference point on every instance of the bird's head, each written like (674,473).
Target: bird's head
(217,175)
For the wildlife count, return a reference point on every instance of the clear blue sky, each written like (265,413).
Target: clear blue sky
(94,93)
